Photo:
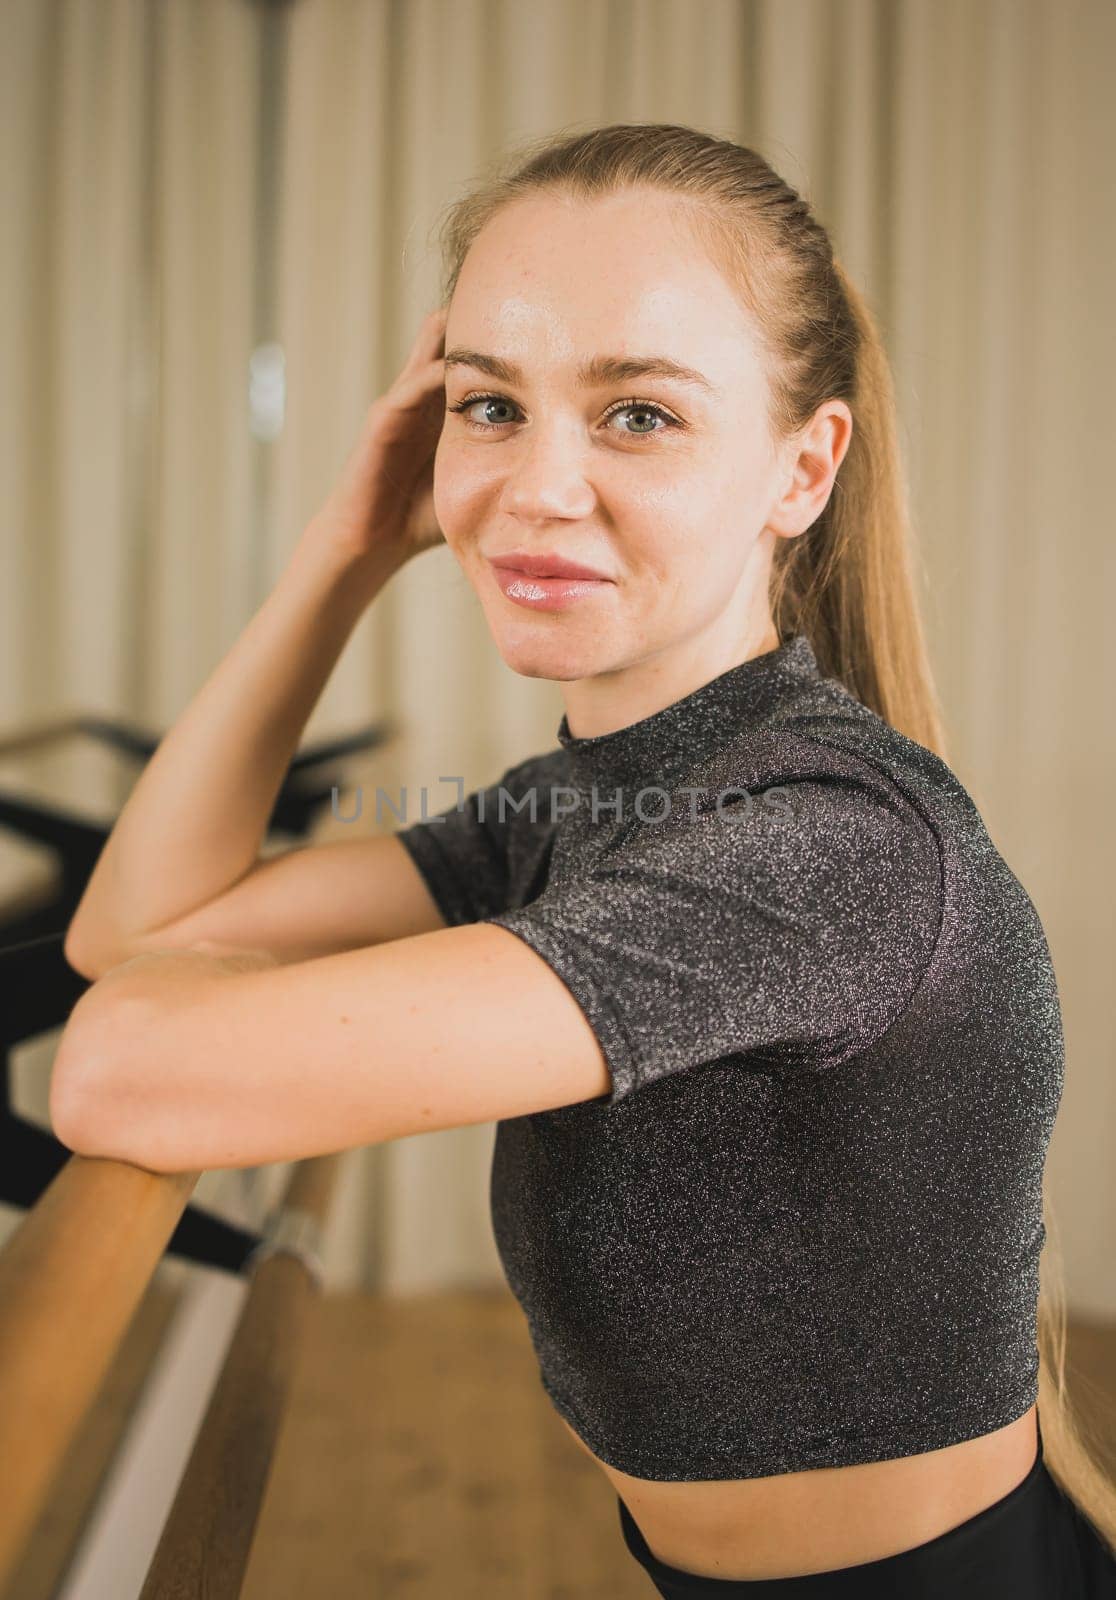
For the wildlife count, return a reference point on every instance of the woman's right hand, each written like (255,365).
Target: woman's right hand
(383,502)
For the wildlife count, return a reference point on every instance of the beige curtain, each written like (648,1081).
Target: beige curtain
(188,180)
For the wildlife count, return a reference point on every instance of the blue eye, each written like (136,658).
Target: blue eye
(645,406)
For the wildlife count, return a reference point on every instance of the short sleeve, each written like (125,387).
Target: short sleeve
(476,857)
(792,934)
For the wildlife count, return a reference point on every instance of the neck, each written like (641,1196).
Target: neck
(611,700)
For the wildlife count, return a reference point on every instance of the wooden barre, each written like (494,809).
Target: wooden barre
(207,1538)
(71,1277)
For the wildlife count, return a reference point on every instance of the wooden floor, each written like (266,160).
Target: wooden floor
(420,1458)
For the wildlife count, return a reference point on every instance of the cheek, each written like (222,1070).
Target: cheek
(676,488)
(459,481)
(694,556)
(450,489)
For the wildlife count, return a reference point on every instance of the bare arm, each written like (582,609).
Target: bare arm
(314,900)
(193,824)
(183,1063)
(183,861)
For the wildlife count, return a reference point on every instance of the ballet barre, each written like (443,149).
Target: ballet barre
(72,1276)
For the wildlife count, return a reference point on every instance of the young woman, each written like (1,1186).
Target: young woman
(769,1027)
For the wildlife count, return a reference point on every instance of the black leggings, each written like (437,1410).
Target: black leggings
(1034,1544)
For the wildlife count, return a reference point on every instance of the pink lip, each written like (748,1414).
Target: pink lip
(545,566)
(546,593)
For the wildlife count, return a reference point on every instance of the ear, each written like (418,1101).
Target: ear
(811,460)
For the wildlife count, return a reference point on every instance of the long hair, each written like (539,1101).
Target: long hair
(849,582)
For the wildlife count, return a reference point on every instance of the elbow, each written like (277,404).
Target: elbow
(84,960)
(91,1119)
(84,1076)
(117,1088)
(75,1093)
(92,1104)
(59,1112)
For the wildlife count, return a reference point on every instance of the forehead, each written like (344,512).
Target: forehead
(552,282)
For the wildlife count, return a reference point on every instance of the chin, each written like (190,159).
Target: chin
(528,651)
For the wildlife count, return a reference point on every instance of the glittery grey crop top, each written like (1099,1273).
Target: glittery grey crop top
(802,1229)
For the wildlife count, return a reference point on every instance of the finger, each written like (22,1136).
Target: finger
(430,338)
(414,389)
(434,330)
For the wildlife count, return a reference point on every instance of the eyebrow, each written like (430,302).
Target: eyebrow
(594,373)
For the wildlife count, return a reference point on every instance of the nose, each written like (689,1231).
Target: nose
(546,478)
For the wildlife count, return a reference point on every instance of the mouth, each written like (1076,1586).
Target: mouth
(547,566)
(549,591)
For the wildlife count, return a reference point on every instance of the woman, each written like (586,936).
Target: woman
(769,1027)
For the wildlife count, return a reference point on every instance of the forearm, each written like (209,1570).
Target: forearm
(195,820)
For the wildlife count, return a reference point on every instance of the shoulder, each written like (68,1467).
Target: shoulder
(476,855)
(810,792)
(780,900)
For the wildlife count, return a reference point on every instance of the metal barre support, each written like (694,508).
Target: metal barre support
(290,1230)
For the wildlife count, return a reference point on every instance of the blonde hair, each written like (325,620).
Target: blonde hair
(849,582)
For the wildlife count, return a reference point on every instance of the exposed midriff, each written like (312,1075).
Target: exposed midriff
(804,1522)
